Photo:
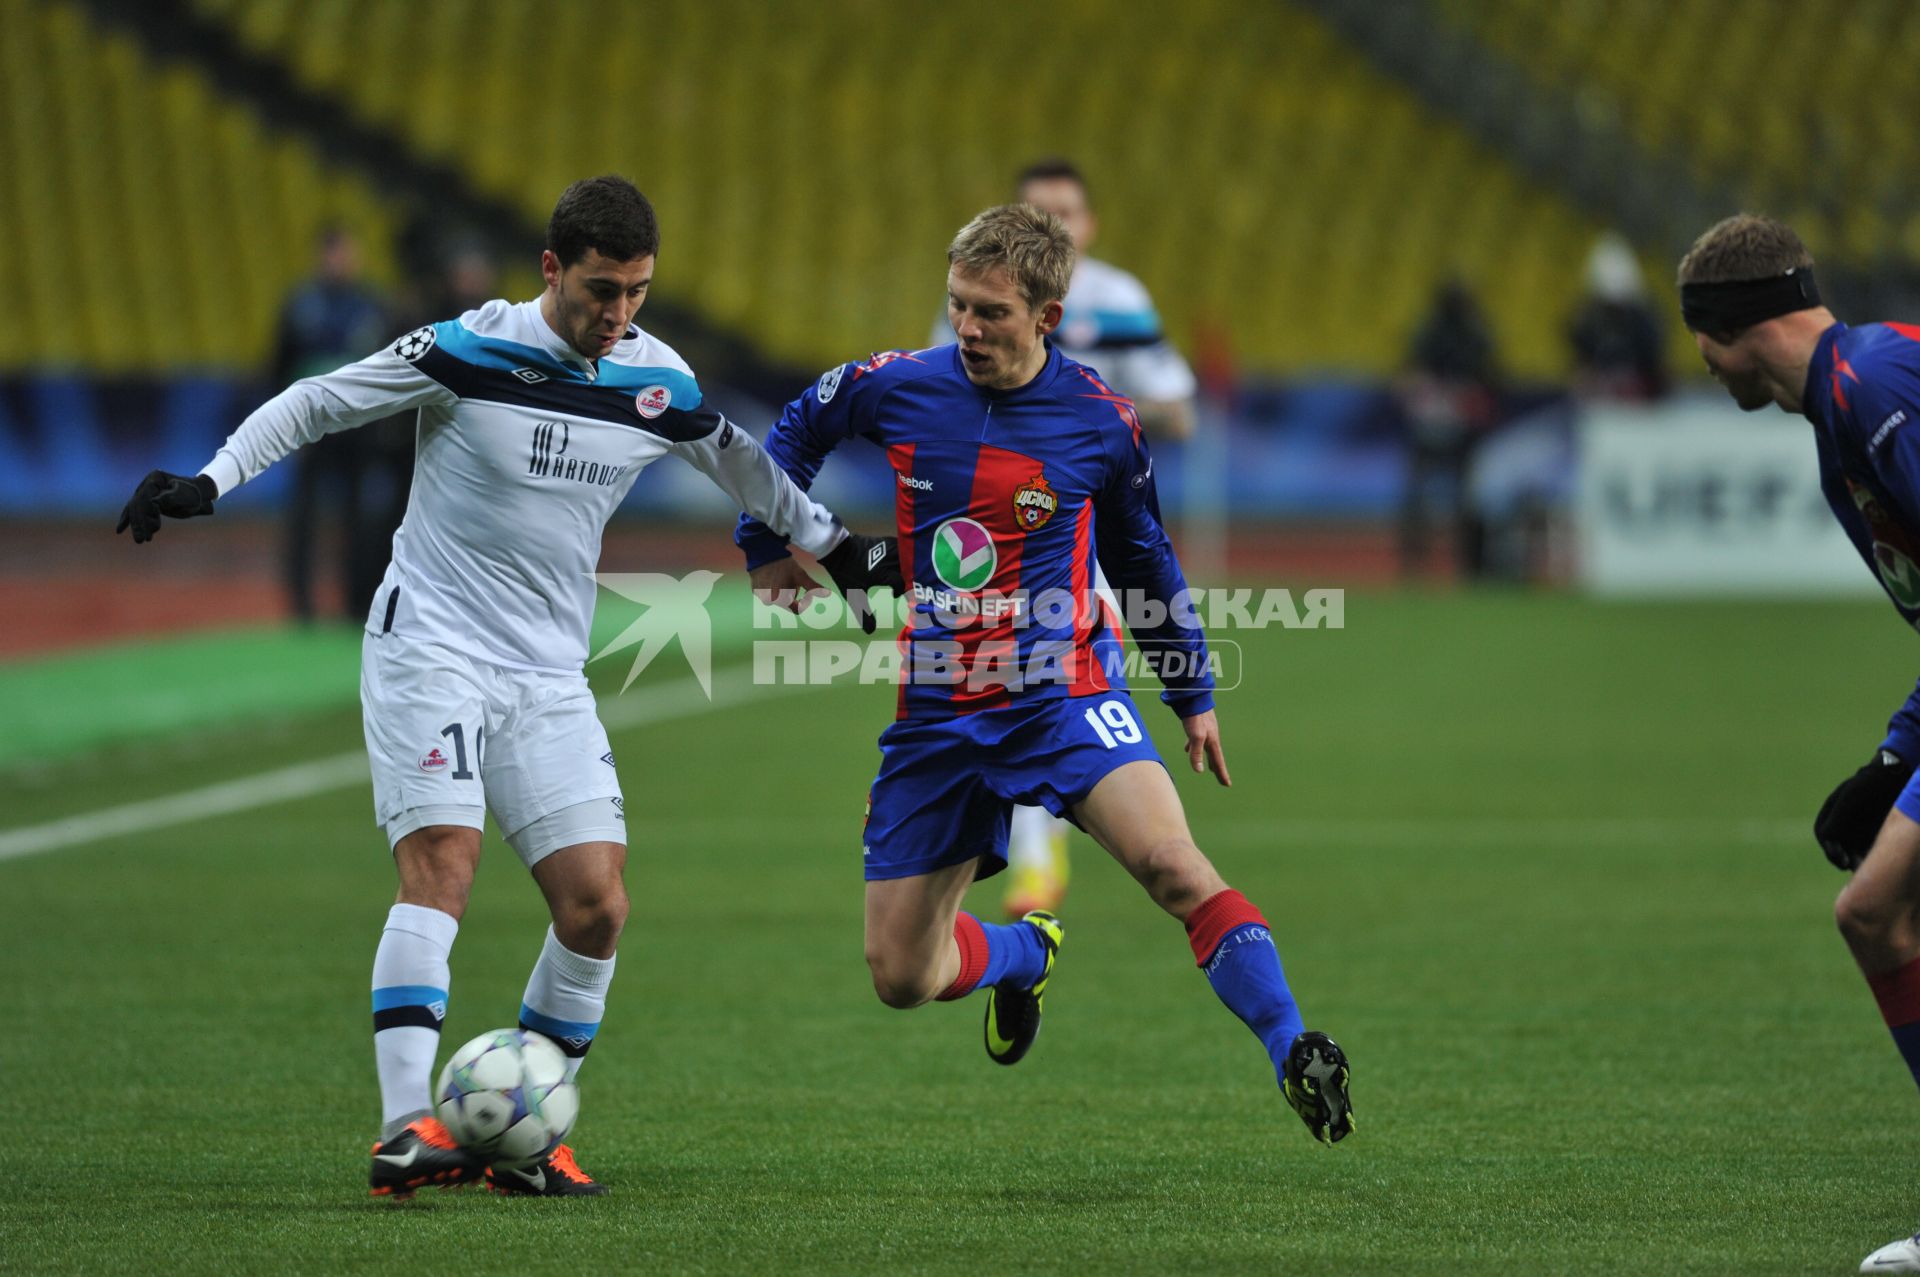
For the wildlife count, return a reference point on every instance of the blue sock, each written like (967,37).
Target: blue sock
(1234,947)
(993,953)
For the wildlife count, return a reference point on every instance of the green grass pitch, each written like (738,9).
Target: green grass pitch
(1541,865)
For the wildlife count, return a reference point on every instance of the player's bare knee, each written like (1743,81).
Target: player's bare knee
(1867,921)
(897,984)
(1176,875)
(591,924)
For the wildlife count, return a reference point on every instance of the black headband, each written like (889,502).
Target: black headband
(1737,304)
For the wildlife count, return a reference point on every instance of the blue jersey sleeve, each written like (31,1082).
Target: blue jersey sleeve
(1137,556)
(808,429)
(1886,403)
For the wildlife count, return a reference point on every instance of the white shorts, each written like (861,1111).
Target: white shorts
(451,737)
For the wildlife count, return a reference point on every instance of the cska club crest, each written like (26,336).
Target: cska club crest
(1034,503)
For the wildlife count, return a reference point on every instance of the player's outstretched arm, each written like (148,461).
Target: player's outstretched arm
(1204,749)
(372,388)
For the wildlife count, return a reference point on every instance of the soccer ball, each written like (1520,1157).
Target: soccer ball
(505,1096)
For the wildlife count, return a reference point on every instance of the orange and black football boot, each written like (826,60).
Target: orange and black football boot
(558,1176)
(422,1154)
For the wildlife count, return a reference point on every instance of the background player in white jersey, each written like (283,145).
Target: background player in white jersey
(1109,324)
(534,420)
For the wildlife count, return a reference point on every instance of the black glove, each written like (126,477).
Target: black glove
(862,563)
(1851,817)
(172,495)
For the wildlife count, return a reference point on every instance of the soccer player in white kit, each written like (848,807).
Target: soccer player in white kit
(1110,325)
(534,420)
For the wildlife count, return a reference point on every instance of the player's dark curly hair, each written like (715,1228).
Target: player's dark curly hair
(607,213)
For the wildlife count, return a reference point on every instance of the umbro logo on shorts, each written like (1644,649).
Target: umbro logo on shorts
(607,758)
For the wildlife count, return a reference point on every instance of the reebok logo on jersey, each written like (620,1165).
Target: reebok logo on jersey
(652,401)
(829,382)
(1034,502)
(918,485)
(415,344)
(434,761)
(963,555)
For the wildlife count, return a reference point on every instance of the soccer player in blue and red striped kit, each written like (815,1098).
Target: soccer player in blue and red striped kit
(1747,292)
(1012,465)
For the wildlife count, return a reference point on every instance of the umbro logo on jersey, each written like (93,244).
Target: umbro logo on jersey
(652,401)
(532,376)
(726,434)
(415,344)
(876,552)
(607,758)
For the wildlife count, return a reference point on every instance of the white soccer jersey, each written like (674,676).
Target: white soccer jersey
(1110,325)
(524,450)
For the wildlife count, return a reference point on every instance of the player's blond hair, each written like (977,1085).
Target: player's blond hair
(1744,246)
(1031,245)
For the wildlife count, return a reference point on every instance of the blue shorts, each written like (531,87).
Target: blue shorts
(947,787)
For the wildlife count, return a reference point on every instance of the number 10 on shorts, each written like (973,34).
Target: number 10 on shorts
(1114,723)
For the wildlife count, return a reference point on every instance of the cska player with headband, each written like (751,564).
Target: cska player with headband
(1013,466)
(1748,295)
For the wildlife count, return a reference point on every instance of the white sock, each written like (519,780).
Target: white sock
(410,979)
(566,996)
(1031,839)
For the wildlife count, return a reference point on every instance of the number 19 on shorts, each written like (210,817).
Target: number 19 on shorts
(1114,723)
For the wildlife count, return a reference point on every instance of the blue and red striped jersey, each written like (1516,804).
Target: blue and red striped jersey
(1003,499)
(1863,397)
